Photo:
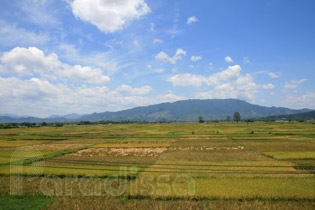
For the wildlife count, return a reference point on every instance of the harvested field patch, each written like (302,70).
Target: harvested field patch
(146,141)
(141,152)
(127,145)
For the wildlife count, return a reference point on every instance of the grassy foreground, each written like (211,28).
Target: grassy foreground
(159,166)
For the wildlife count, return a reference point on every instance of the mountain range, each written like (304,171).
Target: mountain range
(300,116)
(181,111)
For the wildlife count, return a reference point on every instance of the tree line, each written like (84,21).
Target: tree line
(236,118)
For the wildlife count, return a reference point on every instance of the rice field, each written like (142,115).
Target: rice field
(160,166)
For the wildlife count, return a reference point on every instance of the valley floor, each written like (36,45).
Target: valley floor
(159,166)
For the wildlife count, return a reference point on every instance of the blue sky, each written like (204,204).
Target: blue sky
(84,56)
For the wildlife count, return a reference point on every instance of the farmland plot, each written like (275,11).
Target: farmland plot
(173,165)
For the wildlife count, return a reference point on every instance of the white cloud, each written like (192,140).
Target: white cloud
(29,61)
(230,90)
(196,58)
(299,101)
(187,80)
(162,56)
(231,74)
(246,60)
(178,53)
(170,98)
(228,59)
(273,75)
(152,25)
(32,62)
(229,83)
(268,86)
(294,83)
(105,60)
(192,19)
(39,97)
(39,84)
(108,15)
(159,70)
(85,74)
(157,41)
(135,91)
(29,90)
(10,34)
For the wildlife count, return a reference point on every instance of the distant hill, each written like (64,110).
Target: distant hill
(6,119)
(67,116)
(299,116)
(14,116)
(52,119)
(187,110)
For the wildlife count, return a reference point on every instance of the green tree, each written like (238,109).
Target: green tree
(249,121)
(228,118)
(44,124)
(26,124)
(237,117)
(58,124)
(200,119)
